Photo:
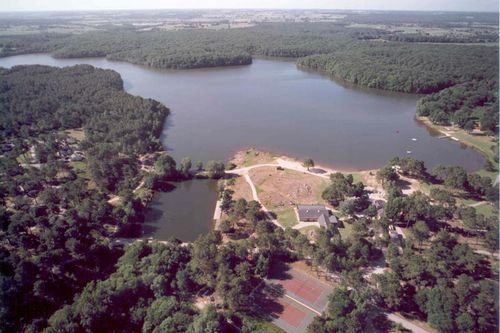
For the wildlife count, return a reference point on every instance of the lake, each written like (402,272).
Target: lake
(185,212)
(272,105)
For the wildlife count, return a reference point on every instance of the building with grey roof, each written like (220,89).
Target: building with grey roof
(316,213)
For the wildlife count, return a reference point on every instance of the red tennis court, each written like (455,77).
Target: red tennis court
(291,314)
(303,288)
(303,298)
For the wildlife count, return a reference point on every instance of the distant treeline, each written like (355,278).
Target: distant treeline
(406,67)
(391,62)
(458,78)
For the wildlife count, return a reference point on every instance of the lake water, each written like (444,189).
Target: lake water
(272,105)
(183,213)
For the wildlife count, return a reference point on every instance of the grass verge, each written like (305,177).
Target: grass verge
(286,217)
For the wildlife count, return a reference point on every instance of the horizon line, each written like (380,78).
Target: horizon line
(229,8)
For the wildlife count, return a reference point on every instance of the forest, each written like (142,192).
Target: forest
(41,100)
(61,271)
(363,55)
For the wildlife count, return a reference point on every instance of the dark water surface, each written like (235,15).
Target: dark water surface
(272,105)
(183,213)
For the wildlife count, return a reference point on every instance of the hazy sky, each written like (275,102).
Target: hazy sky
(449,5)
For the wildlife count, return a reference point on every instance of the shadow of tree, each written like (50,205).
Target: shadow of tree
(164,186)
(273,215)
(279,271)
(265,305)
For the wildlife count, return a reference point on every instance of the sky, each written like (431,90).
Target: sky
(432,5)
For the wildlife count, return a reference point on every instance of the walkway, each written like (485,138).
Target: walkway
(477,204)
(406,323)
(301,225)
(117,198)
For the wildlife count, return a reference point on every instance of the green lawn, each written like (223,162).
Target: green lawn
(482,143)
(493,175)
(287,217)
(467,202)
(486,209)
(77,134)
(268,327)
(346,231)
(356,176)
(80,168)
(23,158)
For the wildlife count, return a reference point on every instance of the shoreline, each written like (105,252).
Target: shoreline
(292,159)
(449,131)
(250,160)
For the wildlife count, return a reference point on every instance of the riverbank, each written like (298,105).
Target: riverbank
(483,143)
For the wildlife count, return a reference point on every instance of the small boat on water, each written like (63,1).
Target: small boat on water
(413,139)
(408,151)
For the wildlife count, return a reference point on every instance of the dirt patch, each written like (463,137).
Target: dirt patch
(77,134)
(252,156)
(241,189)
(369,178)
(279,189)
(311,232)
(313,273)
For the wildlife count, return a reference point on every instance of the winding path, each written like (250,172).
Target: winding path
(285,164)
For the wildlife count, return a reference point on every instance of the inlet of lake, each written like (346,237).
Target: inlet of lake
(270,105)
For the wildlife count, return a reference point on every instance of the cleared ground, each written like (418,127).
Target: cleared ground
(250,157)
(281,190)
(241,189)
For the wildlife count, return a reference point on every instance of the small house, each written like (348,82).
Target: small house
(316,213)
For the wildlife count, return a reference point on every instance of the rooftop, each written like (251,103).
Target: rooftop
(316,213)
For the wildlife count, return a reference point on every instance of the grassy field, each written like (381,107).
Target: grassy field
(268,327)
(356,176)
(77,134)
(485,209)
(287,217)
(23,158)
(250,157)
(81,169)
(481,143)
(346,231)
(241,189)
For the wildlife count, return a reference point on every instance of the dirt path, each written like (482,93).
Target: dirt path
(256,198)
(406,323)
(285,164)
(301,225)
(117,198)
(477,204)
